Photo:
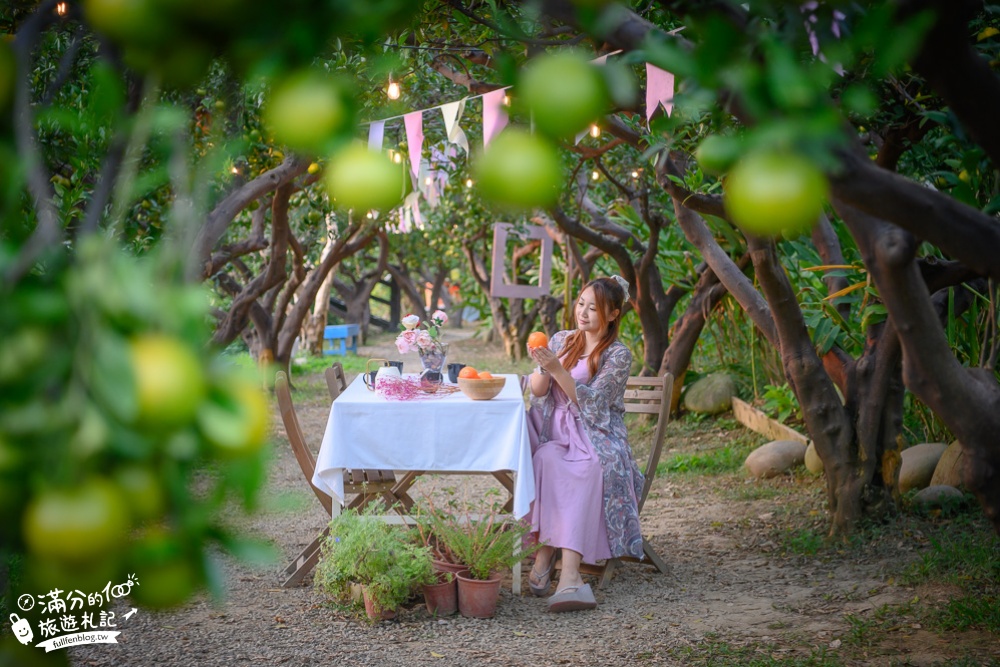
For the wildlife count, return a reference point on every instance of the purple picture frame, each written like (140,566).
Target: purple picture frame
(498,288)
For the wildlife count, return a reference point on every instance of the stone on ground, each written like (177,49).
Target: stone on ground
(918,464)
(939,497)
(710,395)
(814,463)
(776,458)
(949,469)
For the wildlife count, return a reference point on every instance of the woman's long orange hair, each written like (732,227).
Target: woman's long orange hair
(608,296)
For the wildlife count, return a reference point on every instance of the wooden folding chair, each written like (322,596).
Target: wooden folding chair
(368,485)
(649,395)
(336,380)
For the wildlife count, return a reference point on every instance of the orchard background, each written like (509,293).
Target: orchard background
(814,210)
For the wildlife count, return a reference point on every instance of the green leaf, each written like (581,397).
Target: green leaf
(111,376)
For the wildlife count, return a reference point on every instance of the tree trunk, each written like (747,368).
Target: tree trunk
(315,324)
(707,294)
(966,399)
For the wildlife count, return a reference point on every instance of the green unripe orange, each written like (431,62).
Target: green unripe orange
(563,92)
(520,170)
(362,179)
(770,193)
(169,379)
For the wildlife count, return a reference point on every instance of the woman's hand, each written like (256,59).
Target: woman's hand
(546,359)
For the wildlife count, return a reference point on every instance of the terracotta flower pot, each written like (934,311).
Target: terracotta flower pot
(442,598)
(477,598)
(373,613)
(447,566)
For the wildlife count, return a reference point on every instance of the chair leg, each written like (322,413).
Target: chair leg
(657,562)
(305,561)
(609,570)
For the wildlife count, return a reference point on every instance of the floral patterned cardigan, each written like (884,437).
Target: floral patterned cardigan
(601,406)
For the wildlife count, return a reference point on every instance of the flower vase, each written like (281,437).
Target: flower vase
(432,359)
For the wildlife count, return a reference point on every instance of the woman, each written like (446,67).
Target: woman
(586,480)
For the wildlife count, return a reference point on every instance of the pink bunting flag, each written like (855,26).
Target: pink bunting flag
(659,90)
(414,123)
(494,115)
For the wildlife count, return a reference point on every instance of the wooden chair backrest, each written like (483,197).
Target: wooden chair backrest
(651,395)
(336,380)
(305,458)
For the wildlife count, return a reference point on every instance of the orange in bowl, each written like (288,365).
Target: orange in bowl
(485,375)
(481,389)
(537,339)
(468,373)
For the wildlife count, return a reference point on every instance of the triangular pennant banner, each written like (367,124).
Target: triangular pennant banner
(494,115)
(600,60)
(376,132)
(414,123)
(452,113)
(659,90)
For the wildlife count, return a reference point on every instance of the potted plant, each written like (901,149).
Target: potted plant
(388,562)
(485,545)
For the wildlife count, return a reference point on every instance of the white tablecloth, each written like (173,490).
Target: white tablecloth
(447,434)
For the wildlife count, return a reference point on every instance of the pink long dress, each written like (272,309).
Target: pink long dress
(568,510)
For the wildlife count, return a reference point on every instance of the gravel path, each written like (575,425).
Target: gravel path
(726,584)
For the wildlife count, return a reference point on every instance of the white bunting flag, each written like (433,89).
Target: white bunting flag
(452,113)
(376,133)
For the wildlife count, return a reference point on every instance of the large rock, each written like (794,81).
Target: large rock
(710,395)
(918,464)
(814,463)
(939,497)
(776,458)
(949,469)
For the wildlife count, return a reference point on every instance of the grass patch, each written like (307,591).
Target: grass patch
(869,631)
(967,613)
(713,462)
(722,654)
(964,552)
(804,541)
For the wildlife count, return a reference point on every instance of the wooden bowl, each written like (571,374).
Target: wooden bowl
(481,390)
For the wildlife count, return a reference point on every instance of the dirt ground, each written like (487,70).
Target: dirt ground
(732,595)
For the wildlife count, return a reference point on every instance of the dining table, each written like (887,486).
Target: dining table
(444,432)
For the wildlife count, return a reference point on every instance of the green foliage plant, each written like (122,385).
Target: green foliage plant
(780,400)
(487,542)
(390,562)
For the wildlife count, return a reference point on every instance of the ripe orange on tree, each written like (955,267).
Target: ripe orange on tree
(469,373)
(537,339)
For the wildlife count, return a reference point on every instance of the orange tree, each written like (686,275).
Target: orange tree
(832,120)
(122,430)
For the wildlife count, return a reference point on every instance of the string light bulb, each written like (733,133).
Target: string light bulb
(506,100)
(397,158)
(635,174)
(62,8)
(595,175)
(595,130)
(468,182)
(393,92)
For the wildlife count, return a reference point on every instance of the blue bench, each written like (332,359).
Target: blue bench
(338,334)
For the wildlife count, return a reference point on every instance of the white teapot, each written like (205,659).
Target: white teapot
(372,377)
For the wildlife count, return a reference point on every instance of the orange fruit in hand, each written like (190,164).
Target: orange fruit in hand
(469,373)
(537,339)
(485,375)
